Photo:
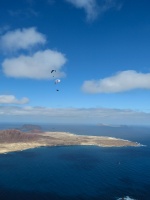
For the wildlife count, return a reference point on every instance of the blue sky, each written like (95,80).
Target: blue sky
(100,50)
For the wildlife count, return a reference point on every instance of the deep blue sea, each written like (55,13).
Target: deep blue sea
(79,172)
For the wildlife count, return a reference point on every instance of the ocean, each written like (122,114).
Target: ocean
(79,172)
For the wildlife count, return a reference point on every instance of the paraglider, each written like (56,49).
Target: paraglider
(53,70)
(56,82)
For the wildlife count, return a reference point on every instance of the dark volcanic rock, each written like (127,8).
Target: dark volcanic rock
(13,135)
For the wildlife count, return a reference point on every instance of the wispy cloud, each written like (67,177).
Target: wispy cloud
(11,99)
(36,66)
(122,81)
(90,7)
(29,9)
(26,12)
(4,29)
(30,2)
(93,8)
(106,5)
(21,39)
(75,115)
(51,2)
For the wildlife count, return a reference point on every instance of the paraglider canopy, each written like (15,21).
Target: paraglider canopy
(53,70)
(57,81)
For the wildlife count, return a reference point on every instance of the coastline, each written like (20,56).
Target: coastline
(65,139)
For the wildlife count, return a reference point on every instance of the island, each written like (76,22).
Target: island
(15,140)
(30,128)
(111,125)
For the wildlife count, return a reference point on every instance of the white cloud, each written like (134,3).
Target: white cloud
(92,8)
(122,81)
(37,66)
(21,39)
(74,115)
(11,99)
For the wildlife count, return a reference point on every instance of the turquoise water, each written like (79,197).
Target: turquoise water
(79,172)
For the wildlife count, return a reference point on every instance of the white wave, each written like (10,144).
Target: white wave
(125,198)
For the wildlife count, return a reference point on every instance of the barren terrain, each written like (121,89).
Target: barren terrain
(15,140)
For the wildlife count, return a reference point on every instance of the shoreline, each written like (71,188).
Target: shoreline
(54,139)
